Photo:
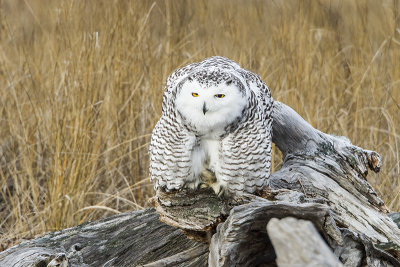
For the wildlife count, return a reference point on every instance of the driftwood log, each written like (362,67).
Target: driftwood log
(318,210)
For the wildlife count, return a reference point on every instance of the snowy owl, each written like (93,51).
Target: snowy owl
(216,122)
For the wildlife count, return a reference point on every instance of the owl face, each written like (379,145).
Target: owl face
(210,107)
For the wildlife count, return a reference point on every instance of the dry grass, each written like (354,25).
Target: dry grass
(82,82)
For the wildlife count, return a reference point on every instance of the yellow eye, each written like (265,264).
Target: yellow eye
(220,95)
(195,94)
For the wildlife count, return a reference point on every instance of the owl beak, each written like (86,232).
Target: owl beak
(204,108)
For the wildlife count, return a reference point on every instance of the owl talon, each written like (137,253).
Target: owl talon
(173,190)
(203,185)
(218,189)
(169,188)
(193,185)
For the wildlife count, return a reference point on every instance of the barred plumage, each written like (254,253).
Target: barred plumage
(216,118)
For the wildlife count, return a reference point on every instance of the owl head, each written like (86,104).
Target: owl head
(210,101)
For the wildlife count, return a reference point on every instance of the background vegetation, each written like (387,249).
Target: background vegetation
(81,84)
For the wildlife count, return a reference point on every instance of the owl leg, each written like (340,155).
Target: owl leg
(217,188)
(222,189)
(193,183)
(208,179)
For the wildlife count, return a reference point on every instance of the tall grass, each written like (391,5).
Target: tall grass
(81,84)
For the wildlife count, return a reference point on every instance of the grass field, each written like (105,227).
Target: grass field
(82,83)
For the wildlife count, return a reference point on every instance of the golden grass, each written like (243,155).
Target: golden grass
(82,83)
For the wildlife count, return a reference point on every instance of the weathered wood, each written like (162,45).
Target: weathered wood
(205,212)
(322,180)
(297,243)
(129,239)
(243,240)
(320,168)
(184,258)
(395,216)
(333,157)
(330,168)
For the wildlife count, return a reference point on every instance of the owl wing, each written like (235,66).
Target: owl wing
(246,150)
(171,144)
(170,155)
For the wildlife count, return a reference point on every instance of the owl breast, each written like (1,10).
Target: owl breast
(205,160)
(206,155)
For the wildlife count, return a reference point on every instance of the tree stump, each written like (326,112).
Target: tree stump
(320,196)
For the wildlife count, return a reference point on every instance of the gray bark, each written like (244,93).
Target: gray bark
(297,243)
(322,180)
(128,239)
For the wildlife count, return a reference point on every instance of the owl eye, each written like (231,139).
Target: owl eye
(195,94)
(219,95)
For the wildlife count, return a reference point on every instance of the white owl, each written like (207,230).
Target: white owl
(216,119)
